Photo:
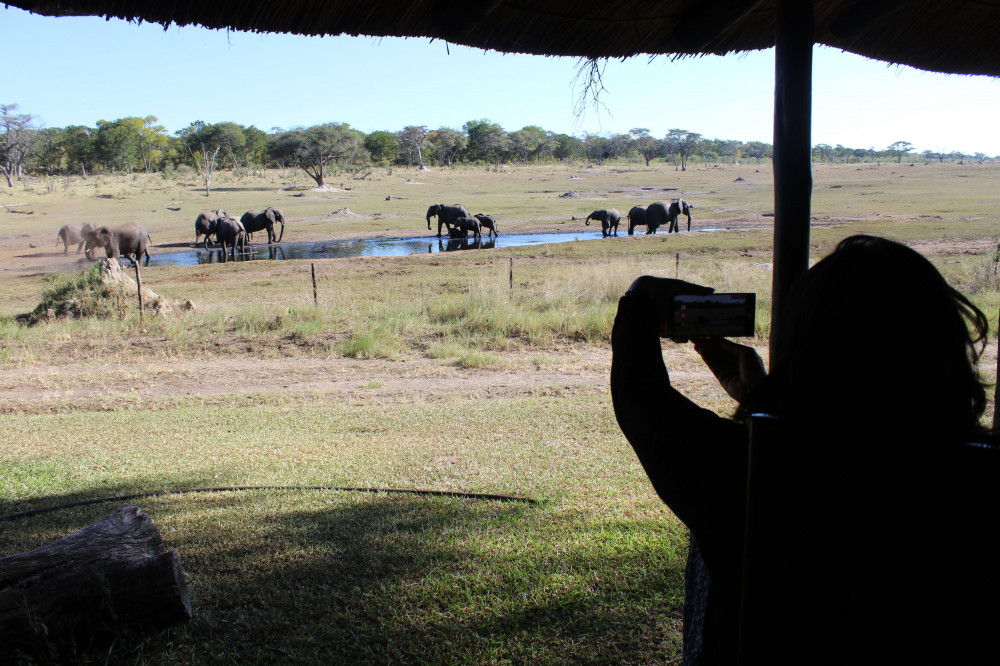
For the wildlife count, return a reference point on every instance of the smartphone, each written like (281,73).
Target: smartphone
(712,316)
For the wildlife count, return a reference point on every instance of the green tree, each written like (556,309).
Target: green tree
(757,150)
(568,147)
(644,142)
(78,145)
(312,149)
(381,145)
(152,141)
(596,146)
(683,144)
(47,151)
(204,142)
(447,143)
(487,141)
(117,143)
(253,154)
(527,141)
(899,148)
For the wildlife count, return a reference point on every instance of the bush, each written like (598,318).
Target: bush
(81,295)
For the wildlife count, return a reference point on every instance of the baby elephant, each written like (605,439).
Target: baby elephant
(230,233)
(467,224)
(204,224)
(70,234)
(608,218)
(488,222)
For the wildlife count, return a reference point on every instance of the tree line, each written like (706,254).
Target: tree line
(133,144)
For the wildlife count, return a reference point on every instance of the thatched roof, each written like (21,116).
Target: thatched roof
(956,36)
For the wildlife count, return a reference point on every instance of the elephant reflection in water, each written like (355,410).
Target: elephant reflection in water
(454,244)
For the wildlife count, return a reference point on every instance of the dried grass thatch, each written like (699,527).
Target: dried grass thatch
(959,36)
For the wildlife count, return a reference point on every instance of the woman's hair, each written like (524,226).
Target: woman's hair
(874,334)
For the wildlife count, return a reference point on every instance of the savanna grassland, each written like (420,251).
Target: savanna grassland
(431,371)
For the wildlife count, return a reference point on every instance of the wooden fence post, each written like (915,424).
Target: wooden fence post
(138,281)
(677,264)
(512,277)
(315,296)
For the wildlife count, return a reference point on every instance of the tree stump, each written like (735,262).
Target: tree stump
(84,589)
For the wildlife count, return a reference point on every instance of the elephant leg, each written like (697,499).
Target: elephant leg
(689,222)
(604,228)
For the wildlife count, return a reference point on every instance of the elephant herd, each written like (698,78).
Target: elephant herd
(459,222)
(129,240)
(652,217)
(231,233)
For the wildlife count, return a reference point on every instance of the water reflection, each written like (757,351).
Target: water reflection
(372,247)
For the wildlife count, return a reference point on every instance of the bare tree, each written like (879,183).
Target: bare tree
(15,143)
(414,137)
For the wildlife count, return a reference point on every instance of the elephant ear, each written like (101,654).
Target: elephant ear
(270,215)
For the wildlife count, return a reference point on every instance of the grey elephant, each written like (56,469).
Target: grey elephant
(636,218)
(460,227)
(71,234)
(487,222)
(677,208)
(129,240)
(254,220)
(204,224)
(229,233)
(446,215)
(662,212)
(609,219)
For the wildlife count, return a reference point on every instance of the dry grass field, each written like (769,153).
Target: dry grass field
(426,371)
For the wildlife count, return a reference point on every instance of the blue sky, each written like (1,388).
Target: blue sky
(78,70)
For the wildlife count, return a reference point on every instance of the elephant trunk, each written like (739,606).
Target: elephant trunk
(282,232)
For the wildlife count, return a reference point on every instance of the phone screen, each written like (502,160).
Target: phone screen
(713,315)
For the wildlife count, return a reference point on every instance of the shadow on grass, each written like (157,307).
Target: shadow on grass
(283,577)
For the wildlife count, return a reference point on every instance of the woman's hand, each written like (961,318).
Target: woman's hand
(738,368)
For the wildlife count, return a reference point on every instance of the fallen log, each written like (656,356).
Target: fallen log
(85,589)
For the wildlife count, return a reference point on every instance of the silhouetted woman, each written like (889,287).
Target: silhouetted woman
(874,375)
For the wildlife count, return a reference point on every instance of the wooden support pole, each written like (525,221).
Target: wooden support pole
(677,264)
(794,29)
(84,589)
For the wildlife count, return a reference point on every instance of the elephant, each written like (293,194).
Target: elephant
(253,220)
(461,226)
(204,224)
(609,219)
(636,217)
(129,240)
(446,215)
(488,222)
(677,208)
(73,233)
(229,233)
(661,212)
